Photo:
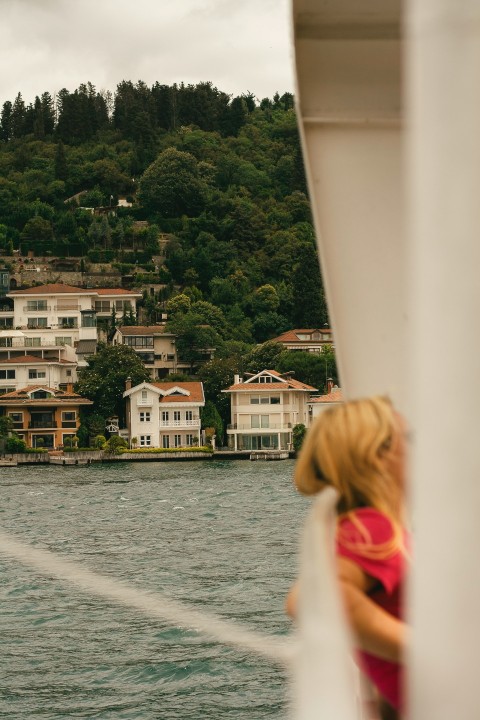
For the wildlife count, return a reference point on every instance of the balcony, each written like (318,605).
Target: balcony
(42,425)
(179,423)
(141,402)
(28,309)
(272,426)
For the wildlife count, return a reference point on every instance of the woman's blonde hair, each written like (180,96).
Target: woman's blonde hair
(346,448)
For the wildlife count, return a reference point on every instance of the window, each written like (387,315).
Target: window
(36,374)
(5,390)
(254,400)
(61,340)
(5,342)
(164,415)
(67,322)
(265,379)
(33,342)
(89,319)
(145,440)
(34,305)
(275,400)
(6,323)
(69,419)
(176,415)
(123,305)
(260,421)
(143,341)
(166,441)
(102,305)
(39,322)
(7,374)
(16,417)
(264,400)
(69,373)
(188,414)
(145,416)
(177,439)
(189,440)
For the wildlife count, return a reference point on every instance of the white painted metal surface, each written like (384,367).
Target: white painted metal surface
(348,58)
(444,181)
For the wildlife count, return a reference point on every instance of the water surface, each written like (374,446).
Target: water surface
(220,535)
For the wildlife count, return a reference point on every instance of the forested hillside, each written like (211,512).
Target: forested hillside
(217,181)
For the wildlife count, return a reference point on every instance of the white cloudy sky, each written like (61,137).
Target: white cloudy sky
(239,45)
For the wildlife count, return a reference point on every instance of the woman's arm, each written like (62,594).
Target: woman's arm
(376,631)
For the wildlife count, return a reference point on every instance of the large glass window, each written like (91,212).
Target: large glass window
(189,440)
(164,415)
(123,305)
(260,421)
(89,319)
(166,441)
(188,414)
(61,340)
(69,419)
(6,342)
(139,341)
(38,322)
(176,415)
(6,323)
(37,374)
(177,440)
(33,342)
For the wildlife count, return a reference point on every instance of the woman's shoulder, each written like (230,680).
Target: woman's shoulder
(379,525)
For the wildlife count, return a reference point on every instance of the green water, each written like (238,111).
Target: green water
(220,535)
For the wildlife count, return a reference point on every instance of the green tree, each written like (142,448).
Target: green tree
(211,418)
(103,381)
(115,445)
(298,435)
(263,357)
(171,185)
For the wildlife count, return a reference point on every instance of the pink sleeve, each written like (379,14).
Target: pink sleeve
(387,570)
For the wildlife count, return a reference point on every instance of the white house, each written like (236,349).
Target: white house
(164,414)
(307,339)
(28,370)
(264,410)
(319,404)
(62,314)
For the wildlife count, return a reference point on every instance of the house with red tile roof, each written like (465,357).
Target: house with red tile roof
(264,410)
(308,340)
(320,403)
(29,370)
(164,414)
(44,416)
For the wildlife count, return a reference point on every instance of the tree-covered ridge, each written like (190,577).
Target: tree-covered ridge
(219,179)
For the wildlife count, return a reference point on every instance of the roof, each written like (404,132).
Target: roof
(292,335)
(192,392)
(31,359)
(86,347)
(64,289)
(58,396)
(332,397)
(143,330)
(284,383)
(53,289)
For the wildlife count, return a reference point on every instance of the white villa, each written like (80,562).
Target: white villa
(164,414)
(46,331)
(265,408)
(307,339)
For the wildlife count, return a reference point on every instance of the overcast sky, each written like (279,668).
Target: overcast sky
(238,45)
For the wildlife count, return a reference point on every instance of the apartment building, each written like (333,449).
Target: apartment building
(155,347)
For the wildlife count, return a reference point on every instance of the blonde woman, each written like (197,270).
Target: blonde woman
(359,448)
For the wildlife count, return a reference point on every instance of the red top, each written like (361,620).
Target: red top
(388,592)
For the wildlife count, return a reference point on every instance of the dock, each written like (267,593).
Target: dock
(270,455)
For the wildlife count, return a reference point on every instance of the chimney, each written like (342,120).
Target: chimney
(330,385)
(128,383)
(236,380)
(69,387)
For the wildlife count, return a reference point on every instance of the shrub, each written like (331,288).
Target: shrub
(298,433)
(115,445)
(15,444)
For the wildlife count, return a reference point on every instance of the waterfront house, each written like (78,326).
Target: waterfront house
(264,410)
(320,403)
(155,347)
(44,416)
(164,414)
(308,340)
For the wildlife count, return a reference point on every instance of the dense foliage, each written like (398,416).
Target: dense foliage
(214,214)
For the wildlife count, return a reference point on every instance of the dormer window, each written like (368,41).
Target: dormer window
(265,379)
(40,395)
